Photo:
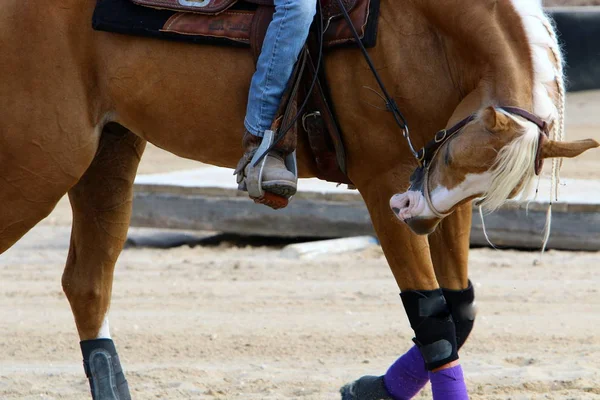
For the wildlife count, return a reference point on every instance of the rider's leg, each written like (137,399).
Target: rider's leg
(283,42)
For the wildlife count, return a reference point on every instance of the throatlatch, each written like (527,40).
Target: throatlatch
(435,333)
(103,369)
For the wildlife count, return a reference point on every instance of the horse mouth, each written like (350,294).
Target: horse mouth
(421,225)
(409,208)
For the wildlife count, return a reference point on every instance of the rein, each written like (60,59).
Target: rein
(390,103)
(426,155)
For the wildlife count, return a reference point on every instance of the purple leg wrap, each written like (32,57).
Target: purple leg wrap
(407,376)
(448,384)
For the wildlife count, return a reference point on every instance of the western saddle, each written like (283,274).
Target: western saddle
(244,23)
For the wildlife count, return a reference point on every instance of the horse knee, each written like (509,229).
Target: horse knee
(81,294)
(78,294)
(84,294)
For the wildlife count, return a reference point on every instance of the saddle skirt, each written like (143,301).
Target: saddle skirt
(331,8)
(245,21)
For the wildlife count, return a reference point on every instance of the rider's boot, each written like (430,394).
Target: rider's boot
(276,178)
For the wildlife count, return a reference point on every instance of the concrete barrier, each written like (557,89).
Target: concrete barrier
(207,199)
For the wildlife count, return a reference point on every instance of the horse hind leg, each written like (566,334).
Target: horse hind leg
(101,203)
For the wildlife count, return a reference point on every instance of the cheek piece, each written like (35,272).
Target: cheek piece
(435,333)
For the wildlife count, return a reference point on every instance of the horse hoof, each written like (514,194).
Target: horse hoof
(366,388)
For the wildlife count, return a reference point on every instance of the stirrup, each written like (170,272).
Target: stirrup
(255,171)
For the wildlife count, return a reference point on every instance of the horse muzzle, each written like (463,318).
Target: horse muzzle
(410,207)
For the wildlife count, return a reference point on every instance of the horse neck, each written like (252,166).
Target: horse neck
(488,45)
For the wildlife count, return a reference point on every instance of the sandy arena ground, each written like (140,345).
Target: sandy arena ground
(241,322)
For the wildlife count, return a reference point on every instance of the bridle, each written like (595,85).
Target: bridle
(427,154)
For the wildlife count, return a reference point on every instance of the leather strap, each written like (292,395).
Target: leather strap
(330,137)
(543,125)
(258,30)
(544,133)
(427,195)
(426,154)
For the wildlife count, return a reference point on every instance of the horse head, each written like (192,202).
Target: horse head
(493,155)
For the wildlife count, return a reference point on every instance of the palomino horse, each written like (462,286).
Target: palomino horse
(78,106)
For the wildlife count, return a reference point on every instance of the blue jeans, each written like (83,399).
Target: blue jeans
(284,40)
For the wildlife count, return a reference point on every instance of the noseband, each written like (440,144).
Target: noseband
(427,154)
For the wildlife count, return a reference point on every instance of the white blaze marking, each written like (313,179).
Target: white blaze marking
(104,332)
(443,199)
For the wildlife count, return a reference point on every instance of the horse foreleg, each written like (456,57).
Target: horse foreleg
(450,255)
(101,203)
(449,246)
(410,261)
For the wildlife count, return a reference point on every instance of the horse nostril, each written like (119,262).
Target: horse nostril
(396,210)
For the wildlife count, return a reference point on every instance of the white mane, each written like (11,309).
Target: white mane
(549,88)
(515,162)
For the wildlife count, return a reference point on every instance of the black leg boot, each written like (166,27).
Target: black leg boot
(461,304)
(103,369)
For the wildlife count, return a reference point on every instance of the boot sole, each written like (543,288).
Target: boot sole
(281,188)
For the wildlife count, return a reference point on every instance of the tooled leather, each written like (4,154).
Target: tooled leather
(258,30)
(339,31)
(233,25)
(213,7)
(324,137)
(250,27)
(330,8)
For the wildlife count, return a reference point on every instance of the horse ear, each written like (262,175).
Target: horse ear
(494,120)
(553,149)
